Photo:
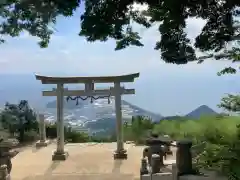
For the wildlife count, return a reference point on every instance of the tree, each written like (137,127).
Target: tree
(231,103)
(138,129)
(19,118)
(102,20)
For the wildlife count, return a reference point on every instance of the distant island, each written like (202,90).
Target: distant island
(195,114)
(100,117)
(135,110)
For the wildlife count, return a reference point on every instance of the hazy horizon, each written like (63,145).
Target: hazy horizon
(164,94)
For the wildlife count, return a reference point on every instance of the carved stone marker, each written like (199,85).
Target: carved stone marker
(184,157)
(42,132)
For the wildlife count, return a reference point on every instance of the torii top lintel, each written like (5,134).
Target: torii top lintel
(86,79)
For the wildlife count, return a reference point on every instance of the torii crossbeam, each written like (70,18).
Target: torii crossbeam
(117,91)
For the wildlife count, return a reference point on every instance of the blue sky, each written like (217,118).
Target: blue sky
(70,54)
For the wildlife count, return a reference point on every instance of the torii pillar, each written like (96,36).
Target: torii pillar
(120,153)
(60,153)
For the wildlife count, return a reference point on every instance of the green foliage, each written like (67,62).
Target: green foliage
(138,129)
(51,131)
(198,129)
(30,136)
(231,103)
(70,135)
(76,137)
(103,20)
(35,17)
(216,141)
(216,138)
(222,156)
(18,119)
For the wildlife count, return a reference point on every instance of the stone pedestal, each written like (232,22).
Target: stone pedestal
(4,175)
(60,156)
(120,154)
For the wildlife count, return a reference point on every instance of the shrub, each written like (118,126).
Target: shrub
(221,137)
(51,131)
(138,129)
(30,136)
(76,137)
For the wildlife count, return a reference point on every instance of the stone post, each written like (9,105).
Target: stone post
(174,172)
(184,157)
(156,163)
(43,142)
(60,154)
(120,153)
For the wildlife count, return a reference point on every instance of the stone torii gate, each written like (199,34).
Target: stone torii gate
(89,92)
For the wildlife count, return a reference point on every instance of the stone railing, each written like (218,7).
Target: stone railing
(153,168)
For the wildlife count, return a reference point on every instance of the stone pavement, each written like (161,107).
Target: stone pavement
(88,161)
